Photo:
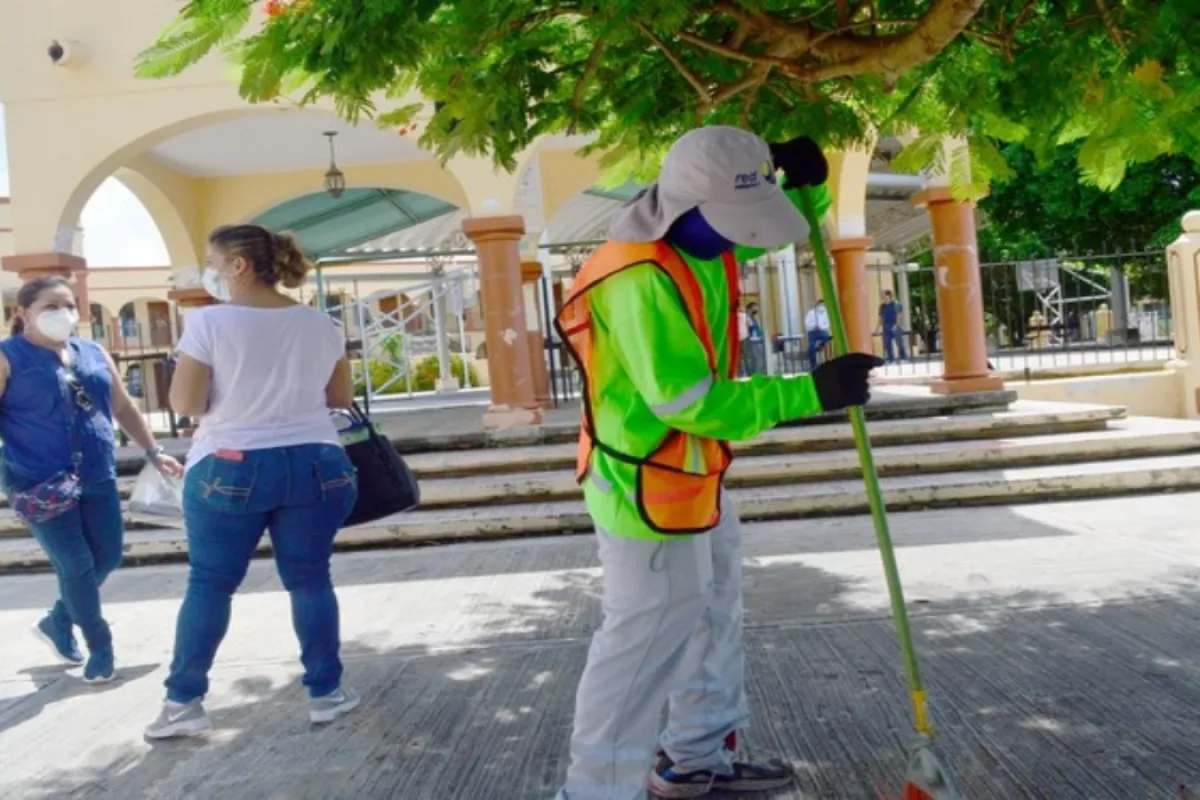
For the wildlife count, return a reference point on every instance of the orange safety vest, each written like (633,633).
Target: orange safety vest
(679,482)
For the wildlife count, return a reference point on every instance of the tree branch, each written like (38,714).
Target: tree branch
(893,55)
(589,70)
(678,64)
(729,52)
(775,90)
(729,91)
(1110,23)
(740,35)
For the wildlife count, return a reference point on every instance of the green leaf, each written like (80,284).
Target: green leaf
(399,117)
(202,27)
(638,73)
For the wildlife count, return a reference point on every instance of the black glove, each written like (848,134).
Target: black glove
(842,381)
(802,162)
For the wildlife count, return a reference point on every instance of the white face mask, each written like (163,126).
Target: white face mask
(214,284)
(58,324)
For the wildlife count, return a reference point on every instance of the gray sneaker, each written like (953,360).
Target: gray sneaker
(333,705)
(179,719)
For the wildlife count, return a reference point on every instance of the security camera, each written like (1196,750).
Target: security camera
(65,54)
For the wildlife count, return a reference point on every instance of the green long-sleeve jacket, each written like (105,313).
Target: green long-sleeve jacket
(650,375)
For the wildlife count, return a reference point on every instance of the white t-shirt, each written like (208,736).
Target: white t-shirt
(270,367)
(817,319)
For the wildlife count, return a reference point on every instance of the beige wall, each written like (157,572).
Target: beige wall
(1145,394)
(70,127)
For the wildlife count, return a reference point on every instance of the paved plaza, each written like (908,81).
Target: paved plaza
(1061,643)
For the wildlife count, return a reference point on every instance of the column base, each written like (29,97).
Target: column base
(499,417)
(447,386)
(982,383)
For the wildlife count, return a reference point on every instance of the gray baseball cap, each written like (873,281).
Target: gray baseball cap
(728,174)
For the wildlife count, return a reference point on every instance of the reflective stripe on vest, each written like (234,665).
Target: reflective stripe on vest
(678,484)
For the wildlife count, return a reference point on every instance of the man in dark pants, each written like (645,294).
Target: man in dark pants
(889,325)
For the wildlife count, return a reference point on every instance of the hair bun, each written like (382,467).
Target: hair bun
(290,262)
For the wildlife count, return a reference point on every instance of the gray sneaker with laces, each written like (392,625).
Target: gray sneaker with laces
(179,719)
(333,705)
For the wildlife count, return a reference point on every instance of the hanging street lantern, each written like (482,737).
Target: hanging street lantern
(335,180)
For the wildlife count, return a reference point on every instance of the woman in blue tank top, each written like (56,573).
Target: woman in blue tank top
(58,398)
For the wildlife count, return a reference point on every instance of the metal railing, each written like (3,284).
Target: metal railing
(146,361)
(1044,314)
(401,342)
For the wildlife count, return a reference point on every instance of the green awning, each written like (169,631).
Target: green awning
(621,193)
(323,225)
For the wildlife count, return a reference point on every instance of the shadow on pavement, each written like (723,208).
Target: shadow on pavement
(1034,696)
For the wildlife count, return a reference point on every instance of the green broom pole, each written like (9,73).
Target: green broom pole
(870,478)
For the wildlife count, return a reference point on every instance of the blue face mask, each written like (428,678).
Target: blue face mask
(692,234)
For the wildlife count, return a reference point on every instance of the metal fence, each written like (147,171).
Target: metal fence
(1039,314)
(146,362)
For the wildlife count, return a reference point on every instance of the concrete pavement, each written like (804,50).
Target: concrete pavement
(1060,641)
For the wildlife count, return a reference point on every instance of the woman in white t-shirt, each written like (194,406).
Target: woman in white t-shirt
(262,372)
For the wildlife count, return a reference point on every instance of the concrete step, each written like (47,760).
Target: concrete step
(459,427)
(837,497)
(801,443)
(1124,440)
(1026,419)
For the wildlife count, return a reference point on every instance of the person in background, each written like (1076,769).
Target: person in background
(890,326)
(816,321)
(753,344)
(262,372)
(59,396)
(743,320)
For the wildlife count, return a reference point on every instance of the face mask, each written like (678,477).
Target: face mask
(58,324)
(692,234)
(215,285)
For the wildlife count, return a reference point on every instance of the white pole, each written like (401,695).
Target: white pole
(446,382)
(764,303)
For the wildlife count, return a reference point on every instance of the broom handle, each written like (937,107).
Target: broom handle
(870,477)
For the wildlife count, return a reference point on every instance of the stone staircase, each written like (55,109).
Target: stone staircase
(931,453)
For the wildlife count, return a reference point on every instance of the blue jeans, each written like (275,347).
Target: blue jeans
(895,335)
(301,494)
(85,546)
(817,339)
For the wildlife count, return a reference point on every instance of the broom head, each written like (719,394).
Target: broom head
(927,779)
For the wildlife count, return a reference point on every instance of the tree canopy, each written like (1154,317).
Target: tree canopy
(1115,77)
(1044,209)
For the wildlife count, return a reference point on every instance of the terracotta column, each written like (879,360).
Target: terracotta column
(850,272)
(514,399)
(531,273)
(959,294)
(188,300)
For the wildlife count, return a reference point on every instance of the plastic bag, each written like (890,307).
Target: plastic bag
(156,494)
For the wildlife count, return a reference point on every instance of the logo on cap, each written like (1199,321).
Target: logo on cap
(750,180)
(768,171)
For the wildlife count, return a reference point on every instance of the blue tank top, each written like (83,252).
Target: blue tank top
(41,422)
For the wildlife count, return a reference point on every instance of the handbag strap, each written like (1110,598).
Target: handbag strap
(74,414)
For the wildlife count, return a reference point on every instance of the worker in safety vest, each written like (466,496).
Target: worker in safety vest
(652,323)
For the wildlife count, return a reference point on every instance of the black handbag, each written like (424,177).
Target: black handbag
(386,485)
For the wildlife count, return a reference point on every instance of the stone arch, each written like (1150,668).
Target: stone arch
(145,323)
(563,173)
(155,129)
(166,209)
(102,322)
(85,162)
